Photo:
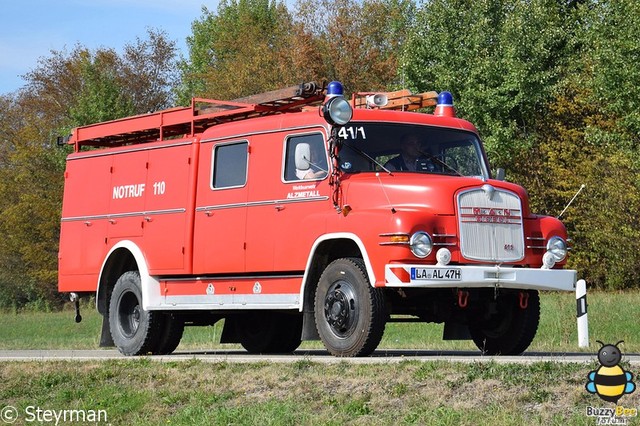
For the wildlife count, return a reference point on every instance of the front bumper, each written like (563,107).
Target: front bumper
(493,276)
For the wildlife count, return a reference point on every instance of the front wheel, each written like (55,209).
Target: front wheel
(350,314)
(511,329)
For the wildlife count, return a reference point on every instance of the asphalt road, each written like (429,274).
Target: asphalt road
(319,356)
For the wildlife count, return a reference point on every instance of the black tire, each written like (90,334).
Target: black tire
(170,335)
(350,314)
(269,332)
(134,330)
(511,329)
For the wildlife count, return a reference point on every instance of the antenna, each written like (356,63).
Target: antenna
(571,201)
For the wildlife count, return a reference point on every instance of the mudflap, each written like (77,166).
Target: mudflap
(309,330)
(106,341)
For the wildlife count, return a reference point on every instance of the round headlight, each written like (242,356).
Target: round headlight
(557,247)
(421,244)
(337,111)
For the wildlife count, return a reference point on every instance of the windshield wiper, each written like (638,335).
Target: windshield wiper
(439,161)
(368,157)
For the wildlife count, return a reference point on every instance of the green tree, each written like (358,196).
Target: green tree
(65,90)
(610,64)
(30,196)
(251,46)
(358,42)
(601,222)
(100,96)
(500,58)
(241,50)
(552,89)
(150,72)
(81,86)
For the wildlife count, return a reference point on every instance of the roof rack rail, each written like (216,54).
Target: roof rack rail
(194,119)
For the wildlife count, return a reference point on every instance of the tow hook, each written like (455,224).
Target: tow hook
(524,300)
(463,298)
(76,302)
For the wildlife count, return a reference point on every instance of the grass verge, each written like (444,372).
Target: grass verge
(142,391)
(145,392)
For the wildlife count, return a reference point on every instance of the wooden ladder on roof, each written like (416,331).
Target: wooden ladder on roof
(402,100)
(194,119)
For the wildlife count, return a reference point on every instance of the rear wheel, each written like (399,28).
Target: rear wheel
(350,314)
(134,330)
(511,329)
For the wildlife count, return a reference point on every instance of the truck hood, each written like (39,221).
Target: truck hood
(412,191)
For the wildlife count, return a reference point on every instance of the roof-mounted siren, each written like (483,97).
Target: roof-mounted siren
(336,109)
(377,100)
(444,107)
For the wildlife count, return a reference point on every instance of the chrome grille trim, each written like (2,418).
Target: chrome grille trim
(491,225)
(440,240)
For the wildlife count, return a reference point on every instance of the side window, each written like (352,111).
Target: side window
(305,158)
(230,165)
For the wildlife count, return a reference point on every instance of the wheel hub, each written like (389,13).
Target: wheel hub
(336,309)
(135,316)
(340,308)
(129,314)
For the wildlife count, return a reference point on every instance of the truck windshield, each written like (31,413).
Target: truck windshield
(372,147)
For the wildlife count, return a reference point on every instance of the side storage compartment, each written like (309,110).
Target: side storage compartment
(84,221)
(168,210)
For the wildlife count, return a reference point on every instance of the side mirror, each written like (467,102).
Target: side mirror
(302,156)
(500,174)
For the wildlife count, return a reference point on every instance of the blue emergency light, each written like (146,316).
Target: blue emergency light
(445,99)
(336,109)
(335,89)
(444,107)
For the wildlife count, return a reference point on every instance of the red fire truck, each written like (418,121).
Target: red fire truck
(300,214)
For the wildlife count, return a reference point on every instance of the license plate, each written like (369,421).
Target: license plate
(436,274)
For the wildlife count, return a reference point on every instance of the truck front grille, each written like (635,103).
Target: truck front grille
(490,225)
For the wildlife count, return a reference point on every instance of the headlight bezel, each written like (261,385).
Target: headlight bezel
(421,244)
(337,111)
(558,248)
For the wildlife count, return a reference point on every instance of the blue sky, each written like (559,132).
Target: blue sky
(30,29)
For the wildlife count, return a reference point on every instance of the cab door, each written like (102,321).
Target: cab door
(265,201)
(305,196)
(287,201)
(221,208)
